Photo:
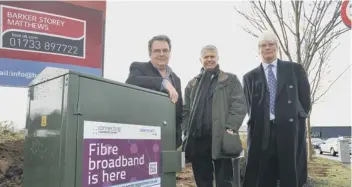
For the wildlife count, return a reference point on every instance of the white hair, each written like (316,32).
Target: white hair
(209,48)
(267,36)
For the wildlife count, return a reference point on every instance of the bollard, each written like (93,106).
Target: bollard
(344,151)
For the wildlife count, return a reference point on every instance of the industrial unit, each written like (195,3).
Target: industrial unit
(325,132)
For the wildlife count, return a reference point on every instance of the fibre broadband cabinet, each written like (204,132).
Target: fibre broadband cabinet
(85,131)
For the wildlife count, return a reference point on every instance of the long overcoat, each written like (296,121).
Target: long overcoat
(291,107)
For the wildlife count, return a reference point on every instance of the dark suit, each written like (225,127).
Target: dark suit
(285,136)
(145,75)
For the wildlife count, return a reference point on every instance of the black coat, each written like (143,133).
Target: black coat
(145,75)
(291,108)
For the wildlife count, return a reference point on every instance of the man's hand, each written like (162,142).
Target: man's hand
(172,91)
(230,131)
(183,137)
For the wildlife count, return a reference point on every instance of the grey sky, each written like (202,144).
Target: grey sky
(191,26)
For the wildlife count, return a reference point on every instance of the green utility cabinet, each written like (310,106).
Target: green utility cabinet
(85,131)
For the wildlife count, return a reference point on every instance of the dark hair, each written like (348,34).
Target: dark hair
(158,38)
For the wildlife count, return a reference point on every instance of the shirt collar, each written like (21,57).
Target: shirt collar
(168,70)
(266,65)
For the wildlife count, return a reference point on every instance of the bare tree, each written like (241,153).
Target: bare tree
(306,33)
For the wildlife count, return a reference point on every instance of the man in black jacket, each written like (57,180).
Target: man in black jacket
(157,75)
(278,99)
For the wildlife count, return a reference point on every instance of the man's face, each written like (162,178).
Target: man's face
(160,53)
(268,51)
(209,59)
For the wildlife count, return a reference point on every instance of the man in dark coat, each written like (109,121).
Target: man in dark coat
(157,75)
(214,109)
(278,99)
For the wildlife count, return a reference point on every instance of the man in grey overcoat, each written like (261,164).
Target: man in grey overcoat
(213,111)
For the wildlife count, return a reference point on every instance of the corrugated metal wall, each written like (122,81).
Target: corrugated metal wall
(330,132)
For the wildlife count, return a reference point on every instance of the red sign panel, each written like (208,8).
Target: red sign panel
(51,31)
(40,32)
(98,5)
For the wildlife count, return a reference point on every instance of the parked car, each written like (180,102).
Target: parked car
(316,142)
(329,146)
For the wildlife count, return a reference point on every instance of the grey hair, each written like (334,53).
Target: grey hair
(209,48)
(158,38)
(267,36)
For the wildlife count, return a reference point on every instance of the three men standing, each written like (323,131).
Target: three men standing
(276,96)
(214,108)
(278,99)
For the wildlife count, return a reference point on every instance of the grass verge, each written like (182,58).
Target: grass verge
(329,173)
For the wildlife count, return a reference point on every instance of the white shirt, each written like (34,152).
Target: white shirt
(266,70)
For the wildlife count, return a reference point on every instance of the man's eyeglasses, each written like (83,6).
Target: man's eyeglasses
(267,45)
(158,51)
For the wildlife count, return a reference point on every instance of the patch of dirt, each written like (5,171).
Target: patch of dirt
(11,163)
(318,169)
(185,177)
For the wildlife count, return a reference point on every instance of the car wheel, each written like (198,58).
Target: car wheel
(320,151)
(332,152)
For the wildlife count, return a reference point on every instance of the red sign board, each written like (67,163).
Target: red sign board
(38,34)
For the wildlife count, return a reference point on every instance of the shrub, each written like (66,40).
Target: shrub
(7,132)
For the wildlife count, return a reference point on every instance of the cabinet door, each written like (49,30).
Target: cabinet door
(45,134)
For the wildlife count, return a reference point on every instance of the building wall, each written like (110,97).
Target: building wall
(330,132)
